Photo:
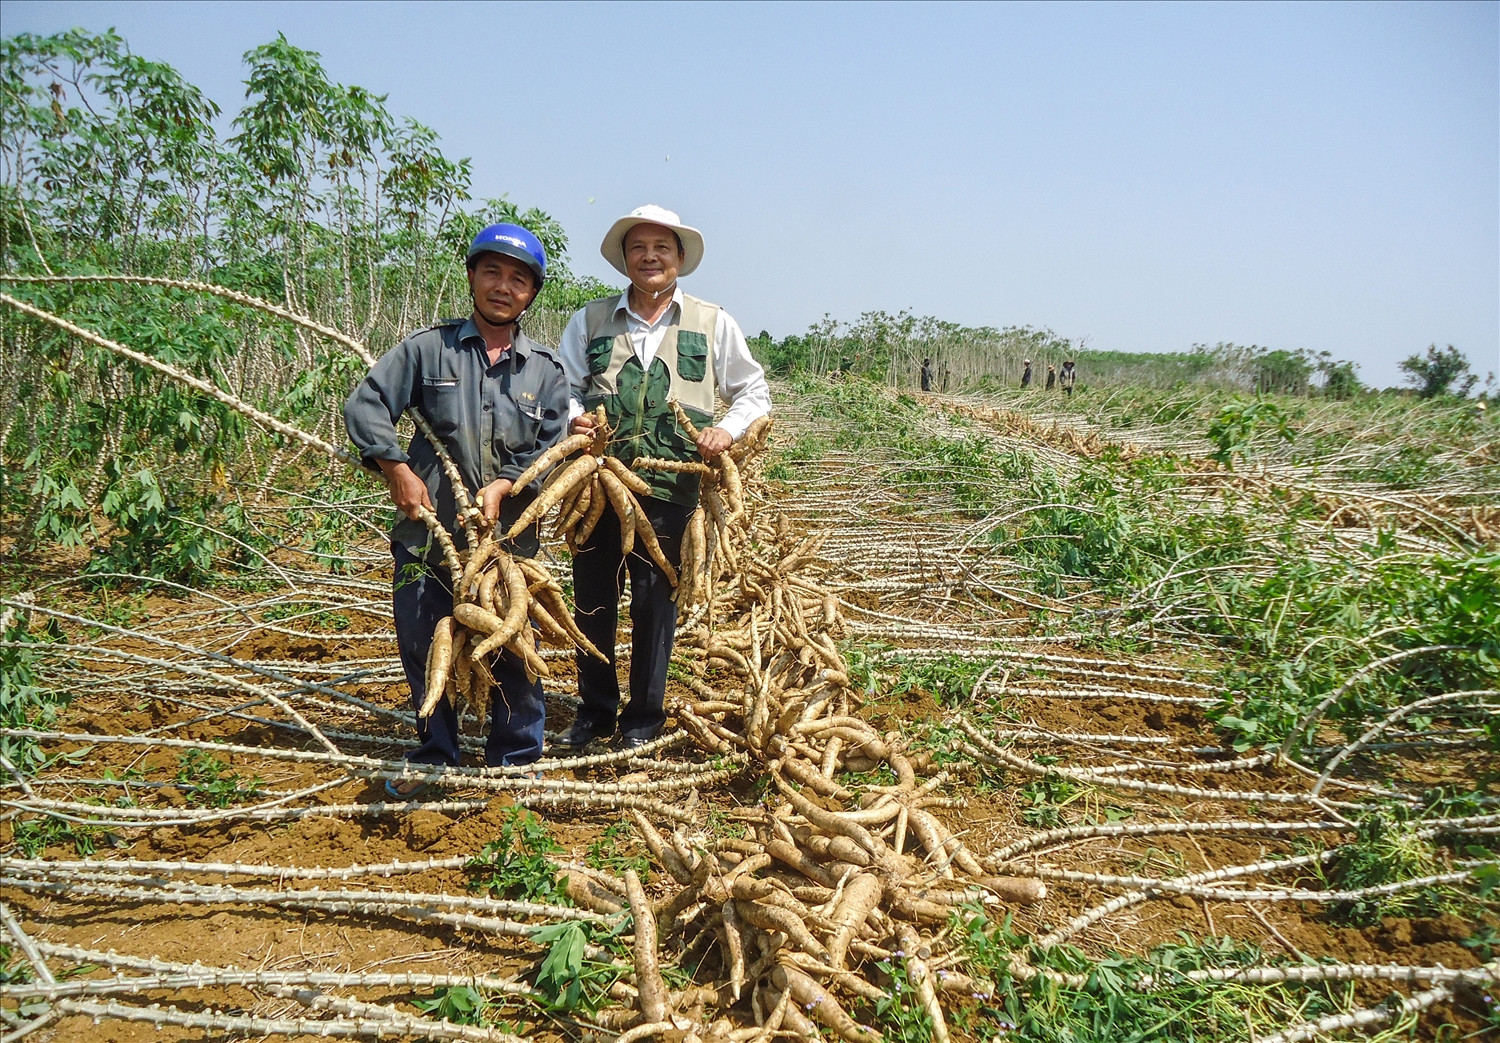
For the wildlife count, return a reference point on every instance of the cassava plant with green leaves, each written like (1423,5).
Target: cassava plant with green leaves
(320,200)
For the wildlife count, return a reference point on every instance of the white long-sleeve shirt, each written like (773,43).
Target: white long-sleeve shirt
(741,380)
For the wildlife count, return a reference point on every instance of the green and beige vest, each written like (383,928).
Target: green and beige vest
(636,400)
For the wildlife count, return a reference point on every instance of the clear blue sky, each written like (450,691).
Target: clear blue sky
(1295,176)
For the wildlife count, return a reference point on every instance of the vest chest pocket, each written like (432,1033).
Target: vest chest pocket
(692,355)
(599,351)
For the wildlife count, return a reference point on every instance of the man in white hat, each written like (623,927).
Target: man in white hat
(633,353)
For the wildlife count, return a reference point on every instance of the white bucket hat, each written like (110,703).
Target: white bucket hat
(613,247)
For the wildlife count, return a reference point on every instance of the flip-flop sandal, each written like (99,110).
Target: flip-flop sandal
(393,790)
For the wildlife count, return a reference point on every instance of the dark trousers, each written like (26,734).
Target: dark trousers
(420,596)
(598,578)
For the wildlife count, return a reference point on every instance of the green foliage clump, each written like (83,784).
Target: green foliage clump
(32,836)
(24,701)
(460,1004)
(320,200)
(1237,424)
(15,968)
(950,681)
(1439,372)
(616,850)
(206,780)
(516,864)
(1114,1003)
(900,1014)
(1389,850)
(1411,602)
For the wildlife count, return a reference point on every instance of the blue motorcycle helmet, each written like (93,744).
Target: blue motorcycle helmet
(511,241)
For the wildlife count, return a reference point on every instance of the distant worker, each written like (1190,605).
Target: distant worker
(1069,374)
(1026,375)
(927,374)
(1051,378)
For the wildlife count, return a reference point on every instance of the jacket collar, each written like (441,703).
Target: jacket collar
(520,343)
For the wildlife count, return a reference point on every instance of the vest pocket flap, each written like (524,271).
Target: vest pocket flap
(692,355)
(599,351)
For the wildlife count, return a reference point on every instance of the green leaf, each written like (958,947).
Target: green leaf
(561,970)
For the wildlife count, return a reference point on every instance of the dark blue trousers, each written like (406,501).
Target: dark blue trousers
(420,596)
(599,571)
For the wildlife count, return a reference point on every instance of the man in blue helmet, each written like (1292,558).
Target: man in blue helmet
(497,401)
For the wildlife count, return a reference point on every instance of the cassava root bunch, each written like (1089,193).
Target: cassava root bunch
(583,486)
(502,603)
(720,526)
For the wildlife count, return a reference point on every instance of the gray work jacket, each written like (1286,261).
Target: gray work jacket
(493,420)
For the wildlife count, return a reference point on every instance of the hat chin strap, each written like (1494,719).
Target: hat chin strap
(515,323)
(656,296)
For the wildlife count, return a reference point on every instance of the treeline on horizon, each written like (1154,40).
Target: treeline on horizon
(890,349)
